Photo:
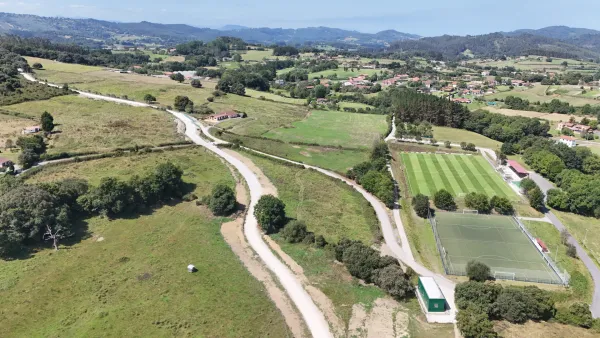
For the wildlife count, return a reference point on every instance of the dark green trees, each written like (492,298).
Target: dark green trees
(222,200)
(478,271)
(183,103)
(421,205)
(270,213)
(177,77)
(444,200)
(47,122)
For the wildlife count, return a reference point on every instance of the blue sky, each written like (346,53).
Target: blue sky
(433,17)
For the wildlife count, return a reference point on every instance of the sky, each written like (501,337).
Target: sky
(426,18)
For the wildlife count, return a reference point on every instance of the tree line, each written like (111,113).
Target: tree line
(373,175)
(32,214)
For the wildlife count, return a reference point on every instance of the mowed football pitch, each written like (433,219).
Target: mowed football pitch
(459,174)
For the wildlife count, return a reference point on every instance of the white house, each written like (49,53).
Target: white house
(568,140)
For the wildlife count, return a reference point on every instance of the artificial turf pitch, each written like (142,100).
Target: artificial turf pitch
(458,174)
(496,241)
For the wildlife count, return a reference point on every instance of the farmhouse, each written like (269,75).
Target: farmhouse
(568,140)
(5,163)
(31,130)
(517,168)
(575,127)
(223,116)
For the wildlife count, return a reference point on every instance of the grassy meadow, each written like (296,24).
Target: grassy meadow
(274,97)
(89,125)
(334,128)
(453,135)
(128,276)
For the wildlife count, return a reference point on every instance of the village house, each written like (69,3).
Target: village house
(31,130)
(322,101)
(223,116)
(518,83)
(461,100)
(582,129)
(568,140)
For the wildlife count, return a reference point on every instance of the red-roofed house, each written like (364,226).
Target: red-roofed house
(223,116)
(517,168)
(568,140)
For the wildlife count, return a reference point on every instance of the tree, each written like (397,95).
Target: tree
(237,58)
(502,205)
(558,199)
(463,145)
(37,65)
(34,143)
(478,201)
(571,250)
(27,158)
(149,98)
(320,91)
(536,198)
(380,150)
(512,305)
(478,271)
(196,83)
(238,89)
(222,200)
(527,184)
(447,144)
(578,314)
(393,281)
(177,77)
(182,102)
(8,144)
(110,197)
(421,205)
(481,295)
(47,122)
(473,323)
(270,213)
(444,200)
(294,232)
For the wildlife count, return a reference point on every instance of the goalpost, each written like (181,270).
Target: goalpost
(469,211)
(504,275)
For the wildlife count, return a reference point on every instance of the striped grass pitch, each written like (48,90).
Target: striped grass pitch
(459,174)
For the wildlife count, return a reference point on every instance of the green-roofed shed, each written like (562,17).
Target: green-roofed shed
(432,295)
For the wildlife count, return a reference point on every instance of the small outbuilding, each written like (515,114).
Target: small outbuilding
(431,294)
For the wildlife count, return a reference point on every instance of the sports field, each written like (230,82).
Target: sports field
(459,174)
(496,241)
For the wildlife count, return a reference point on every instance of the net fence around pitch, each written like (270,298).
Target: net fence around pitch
(496,241)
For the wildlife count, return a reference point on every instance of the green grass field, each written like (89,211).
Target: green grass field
(134,282)
(355,105)
(493,240)
(342,74)
(334,128)
(459,174)
(256,55)
(90,125)
(460,135)
(270,96)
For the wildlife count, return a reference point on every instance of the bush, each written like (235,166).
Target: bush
(444,200)
(210,98)
(270,213)
(393,281)
(473,323)
(571,250)
(557,199)
(222,200)
(196,83)
(447,144)
(189,197)
(148,98)
(421,205)
(502,205)
(294,232)
(472,293)
(536,198)
(320,241)
(478,201)
(309,239)
(578,314)
(478,271)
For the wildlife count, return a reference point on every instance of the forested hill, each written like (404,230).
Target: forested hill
(494,45)
(581,37)
(83,30)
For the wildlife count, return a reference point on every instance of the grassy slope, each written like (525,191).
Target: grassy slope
(341,74)
(334,128)
(459,135)
(89,125)
(134,282)
(334,210)
(270,96)
(585,229)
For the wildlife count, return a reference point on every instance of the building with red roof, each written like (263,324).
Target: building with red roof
(517,168)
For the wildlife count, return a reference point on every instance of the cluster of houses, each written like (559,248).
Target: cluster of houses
(360,81)
(399,79)
(577,128)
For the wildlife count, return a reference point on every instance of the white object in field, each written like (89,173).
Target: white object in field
(191,268)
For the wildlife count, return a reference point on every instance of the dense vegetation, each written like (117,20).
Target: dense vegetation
(374,176)
(31,214)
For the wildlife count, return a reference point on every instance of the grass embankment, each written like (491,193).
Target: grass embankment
(335,129)
(336,159)
(581,282)
(90,125)
(129,278)
(332,209)
(586,230)
(454,135)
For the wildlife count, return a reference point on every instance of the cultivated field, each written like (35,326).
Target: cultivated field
(493,240)
(128,276)
(334,128)
(89,125)
(458,174)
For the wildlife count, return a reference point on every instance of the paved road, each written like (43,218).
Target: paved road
(312,315)
(546,185)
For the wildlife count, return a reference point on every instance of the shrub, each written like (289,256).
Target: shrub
(421,205)
(478,271)
(571,250)
(394,281)
(309,239)
(294,232)
(482,295)
(210,98)
(536,198)
(189,197)
(447,144)
(148,98)
(320,241)
(222,200)
(478,201)
(444,200)
(196,83)
(473,323)
(502,205)
(270,213)
(578,314)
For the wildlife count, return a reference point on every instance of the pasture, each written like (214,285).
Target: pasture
(458,174)
(89,125)
(334,128)
(127,277)
(256,55)
(496,241)
(274,97)
(542,93)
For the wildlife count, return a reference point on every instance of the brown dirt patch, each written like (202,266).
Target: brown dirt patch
(387,318)
(541,330)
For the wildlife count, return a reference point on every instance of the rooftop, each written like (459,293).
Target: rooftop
(569,138)
(517,167)
(431,287)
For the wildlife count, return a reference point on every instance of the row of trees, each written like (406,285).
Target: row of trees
(444,200)
(374,176)
(554,106)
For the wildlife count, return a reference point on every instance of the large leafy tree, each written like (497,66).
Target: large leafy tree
(47,122)
(473,323)
(478,271)
(444,200)
(222,200)
(270,213)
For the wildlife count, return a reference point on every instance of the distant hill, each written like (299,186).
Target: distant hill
(556,32)
(90,31)
(495,45)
